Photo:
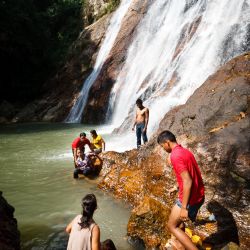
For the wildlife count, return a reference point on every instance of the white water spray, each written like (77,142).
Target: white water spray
(75,114)
(155,72)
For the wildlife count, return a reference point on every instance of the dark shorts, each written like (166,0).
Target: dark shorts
(86,171)
(192,210)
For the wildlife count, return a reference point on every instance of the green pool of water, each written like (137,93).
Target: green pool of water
(36,178)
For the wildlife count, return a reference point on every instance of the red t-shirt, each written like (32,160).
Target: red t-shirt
(77,143)
(183,160)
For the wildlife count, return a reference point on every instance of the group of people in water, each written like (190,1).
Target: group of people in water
(83,161)
(85,233)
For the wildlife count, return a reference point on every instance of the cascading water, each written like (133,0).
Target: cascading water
(178,44)
(75,114)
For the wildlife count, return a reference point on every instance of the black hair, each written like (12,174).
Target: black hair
(81,149)
(82,134)
(139,101)
(166,135)
(89,205)
(108,245)
(93,132)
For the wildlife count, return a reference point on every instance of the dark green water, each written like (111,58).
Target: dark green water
(36,178)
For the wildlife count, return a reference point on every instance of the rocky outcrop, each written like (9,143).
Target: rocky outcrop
(9,234)
(214,124)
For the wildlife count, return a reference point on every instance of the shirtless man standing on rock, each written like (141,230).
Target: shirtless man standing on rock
(141,122)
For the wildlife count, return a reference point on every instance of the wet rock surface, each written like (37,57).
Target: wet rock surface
(214,125)
(9,234)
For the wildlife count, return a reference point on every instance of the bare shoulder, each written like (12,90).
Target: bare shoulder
(96,230)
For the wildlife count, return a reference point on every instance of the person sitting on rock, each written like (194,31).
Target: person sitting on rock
(98,144)
(84,163)
(191,189)
(80,143)
(84,232)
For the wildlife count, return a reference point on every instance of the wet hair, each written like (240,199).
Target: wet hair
(108,245)
(166,135)
(82,134)
(93,132)
(89,205)
(139,101)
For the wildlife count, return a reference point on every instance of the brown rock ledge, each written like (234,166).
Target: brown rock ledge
(214,125)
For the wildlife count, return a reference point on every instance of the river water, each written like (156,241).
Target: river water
(36,178)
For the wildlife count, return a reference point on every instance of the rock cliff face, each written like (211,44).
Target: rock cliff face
(64,87)
(9,234)
(97,104)
(62,90)
(214,125)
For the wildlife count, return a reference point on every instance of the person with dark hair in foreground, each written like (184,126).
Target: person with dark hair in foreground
(84,232)
(141,122)
(191,189)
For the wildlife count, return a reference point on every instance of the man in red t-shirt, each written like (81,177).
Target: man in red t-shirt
(80,143)
(191,188)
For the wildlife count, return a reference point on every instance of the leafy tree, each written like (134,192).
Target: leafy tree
(34,38)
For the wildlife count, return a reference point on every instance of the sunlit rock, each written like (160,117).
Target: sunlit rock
(214,125)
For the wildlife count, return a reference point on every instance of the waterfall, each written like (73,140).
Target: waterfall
(177,45)
(75,114)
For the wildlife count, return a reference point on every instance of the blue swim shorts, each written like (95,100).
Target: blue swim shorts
(192,210)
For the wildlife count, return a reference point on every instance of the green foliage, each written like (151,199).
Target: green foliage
(34,38)
(112,5)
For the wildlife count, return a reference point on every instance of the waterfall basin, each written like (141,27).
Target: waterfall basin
(37,179)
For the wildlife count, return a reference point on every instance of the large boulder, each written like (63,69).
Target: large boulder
(9,234)
(214,125)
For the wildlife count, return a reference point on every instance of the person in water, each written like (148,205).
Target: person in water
(108,245)
(191,189)
(98,144)
(84,163)
(83,232)
(80,143)
(141,122)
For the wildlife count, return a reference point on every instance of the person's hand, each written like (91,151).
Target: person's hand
(133,128)
(144,130)
(184,214)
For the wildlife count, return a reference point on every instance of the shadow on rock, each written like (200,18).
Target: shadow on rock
(226,226)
